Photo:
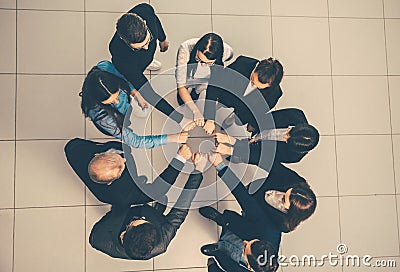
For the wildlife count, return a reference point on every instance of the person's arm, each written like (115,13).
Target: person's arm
(272,97)
(161,33)
(227,263)
(103,232)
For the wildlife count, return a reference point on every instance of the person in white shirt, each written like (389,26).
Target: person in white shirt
(194,63)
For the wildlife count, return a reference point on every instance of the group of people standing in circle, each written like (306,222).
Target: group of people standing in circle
(135,230)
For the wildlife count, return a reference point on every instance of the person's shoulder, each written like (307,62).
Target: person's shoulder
(142,8)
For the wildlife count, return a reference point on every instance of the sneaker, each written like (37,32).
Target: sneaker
(155,65)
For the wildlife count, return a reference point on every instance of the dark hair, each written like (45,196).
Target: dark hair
(269,71)
(96,88)
(266,250)
(302,205)
(303,138)
(212,46)
(131,28)
(139,241)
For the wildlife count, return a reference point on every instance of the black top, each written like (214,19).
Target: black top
(245,107)
(105,235)
(261,153)
(132,63)
(123,191)
(255,225)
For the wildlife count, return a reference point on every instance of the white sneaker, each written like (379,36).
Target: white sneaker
(155,65)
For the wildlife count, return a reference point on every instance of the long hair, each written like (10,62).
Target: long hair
(212,46)
(303,138)
(97,87)
(302,205)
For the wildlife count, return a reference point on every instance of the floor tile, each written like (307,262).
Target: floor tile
(223,25)
(114,6)
(7,107)
(392,27)
(325,218)
(365,165)
(6,237)
(356,101)
(356,8)
(396,157)
(8,44)
(299,8)
(97,41)
(40,42)
(252,7)
(37,184)
(182,6)
(97,261)
(185,270)
(11,4)
(323,179)
(7,174)
(206,232)
(394,91)
(350,55)
(53,119)
(303,92)
(77,5)
(368,225)
(302,45)
(391,8)
(92,132)
(175,26)
(384,264)
(58,232)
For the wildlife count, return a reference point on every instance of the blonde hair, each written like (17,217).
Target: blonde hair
(102,168)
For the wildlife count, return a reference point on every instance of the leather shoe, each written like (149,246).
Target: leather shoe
(209,249)
(212,214)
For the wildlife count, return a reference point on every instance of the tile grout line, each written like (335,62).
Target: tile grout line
(211,14)
(272,30)
(391,126)
(334,126)
(15,135)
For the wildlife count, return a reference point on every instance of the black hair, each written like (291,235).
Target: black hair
(131,28)
(303,203)
(212,46)
(140,240)
(303,138)
(96,88)
(259,251)
(269,71)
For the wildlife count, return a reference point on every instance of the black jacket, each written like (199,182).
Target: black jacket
(105,235)
(245,107)
(133,63)
(124,191)
(261,153)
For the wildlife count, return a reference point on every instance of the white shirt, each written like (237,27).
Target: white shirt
(203,73)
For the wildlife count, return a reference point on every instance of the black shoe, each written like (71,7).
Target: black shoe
(209,249)
(212,214)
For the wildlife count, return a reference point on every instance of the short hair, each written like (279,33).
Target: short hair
(270,71)
(101,168)
(264,249)
(131,28)
(303,138)
(140,240)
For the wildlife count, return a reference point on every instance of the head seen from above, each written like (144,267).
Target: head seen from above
(132,29)
(267,73)
(106,167)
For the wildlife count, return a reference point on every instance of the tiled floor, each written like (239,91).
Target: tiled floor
(342,67)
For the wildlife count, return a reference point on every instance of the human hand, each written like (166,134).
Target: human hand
(224,149)
(210,261)
(224,138)
(187,124)
(214,158)
(142,103)
(164,46)
(178,137)
(200,161)
(198,118)
(209,127)
(252,140)
(185,152)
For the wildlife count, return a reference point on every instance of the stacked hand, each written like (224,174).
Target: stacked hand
(185,152)
(178,137)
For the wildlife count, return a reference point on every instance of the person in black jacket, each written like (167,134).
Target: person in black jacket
(239,248)
(249,86)
(103,167)
(292,135)
(132,49)
(143,232)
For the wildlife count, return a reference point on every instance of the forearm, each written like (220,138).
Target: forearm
(136,141)
(187,99)
(211,102)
